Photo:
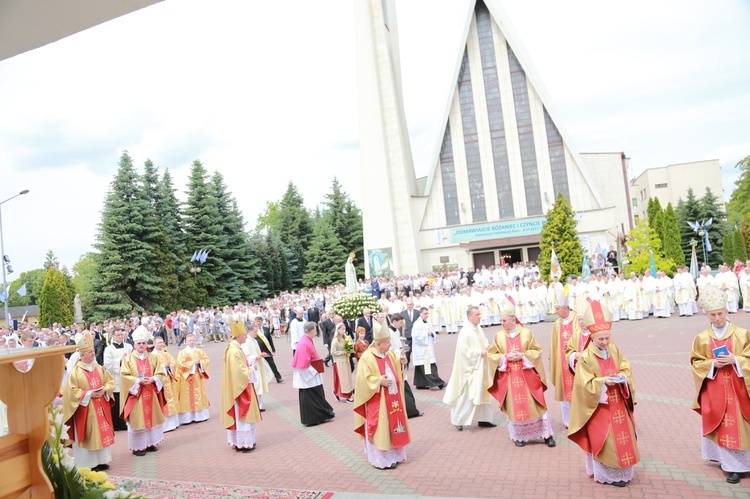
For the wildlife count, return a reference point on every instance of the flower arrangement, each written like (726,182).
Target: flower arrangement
(351,306)
(68,481)
(348,346)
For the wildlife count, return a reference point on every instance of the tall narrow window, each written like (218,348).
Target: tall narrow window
(448,174)
(556,157)
(471,142)
(384,3)
(494,112)
(525,136)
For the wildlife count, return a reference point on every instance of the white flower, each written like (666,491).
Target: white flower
(115,494)
(67,461)
(58,419)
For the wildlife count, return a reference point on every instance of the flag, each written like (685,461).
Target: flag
(502,260)
(25,317)
(653,264)
(22,290)
(195,255)
(2,296)
(709,249)
(585,268)
(554,266)
(694,264)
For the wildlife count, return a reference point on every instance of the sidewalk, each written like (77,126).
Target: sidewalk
(478,462)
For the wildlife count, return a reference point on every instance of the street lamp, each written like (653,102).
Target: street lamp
(703,241)
(5,259)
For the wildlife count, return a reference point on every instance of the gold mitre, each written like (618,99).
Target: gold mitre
(86,343)
(561,300)
(712,298)
(581,305)
(508,309)
(381,332)
(238,328)
(141,334)
(597,318)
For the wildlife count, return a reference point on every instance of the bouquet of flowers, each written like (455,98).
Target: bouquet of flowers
(348,346)
(351,306)
(68,481)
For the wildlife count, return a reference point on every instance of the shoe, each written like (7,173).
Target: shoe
(337,398)
(486,424)
(519,443)
(139,452)
(419,415)
(245,449)
(551,443)
(151,449)
(279,380)
(350,400)
(733,478)
(100,467)
(459,427)
(262,409)
(619,484)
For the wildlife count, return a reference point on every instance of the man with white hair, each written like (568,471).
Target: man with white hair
(142,406)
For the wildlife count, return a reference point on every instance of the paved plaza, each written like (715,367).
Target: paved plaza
(478,462)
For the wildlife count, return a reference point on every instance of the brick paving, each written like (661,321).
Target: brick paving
(442,462)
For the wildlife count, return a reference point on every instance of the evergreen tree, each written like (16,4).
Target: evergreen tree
(738,206)
(346,220)
(560,231)
(151,290)
(653,210)
(671,236)
(294,228)
(125,276)
(324,257)
(202,233)
(267,219)
(688,211)
(710,208)
(642,241)
(55,304)
(727,247)
(740,251)
(51,261)
(84,273)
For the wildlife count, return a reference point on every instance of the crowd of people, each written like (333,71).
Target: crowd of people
(121,378)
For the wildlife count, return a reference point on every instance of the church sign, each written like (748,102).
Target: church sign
(497,230)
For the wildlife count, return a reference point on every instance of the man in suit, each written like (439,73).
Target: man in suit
(410,315)
(327,327)
(366,322)
(265,343)
(313,315)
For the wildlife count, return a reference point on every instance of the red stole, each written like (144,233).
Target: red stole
(244,401)
(396,414)
(146,394)
(521,380)
(724,399)
(101,407)
(619,414)
(566,331)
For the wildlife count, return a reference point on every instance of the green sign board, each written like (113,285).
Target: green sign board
(497,230)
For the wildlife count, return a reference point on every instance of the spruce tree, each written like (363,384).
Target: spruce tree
(346,220)
(642,241)
(294,228)
(688,211)
(200,214)
(125,278)
(324,257)
(727,247)
(710,208)
(150,288)
(740,251)
(560,231)
(671,236)
(51,261)
(55,303)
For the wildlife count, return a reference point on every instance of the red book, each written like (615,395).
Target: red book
(318,365)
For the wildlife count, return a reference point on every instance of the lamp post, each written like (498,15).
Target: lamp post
(5,259)
(703,243)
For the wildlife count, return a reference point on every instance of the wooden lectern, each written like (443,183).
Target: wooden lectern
(28,396)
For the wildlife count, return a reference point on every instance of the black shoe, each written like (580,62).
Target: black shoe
(419,415)
(337,398)
(733,478)
(486,424)
(459,427)
(279,380)
(139,452)
(100,467)
(551,443)
(262,409)
(619,484)
(519,443)
(245,449)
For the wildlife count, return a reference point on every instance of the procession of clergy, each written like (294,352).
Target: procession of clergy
(592,378)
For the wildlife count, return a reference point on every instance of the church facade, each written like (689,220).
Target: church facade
(502,160)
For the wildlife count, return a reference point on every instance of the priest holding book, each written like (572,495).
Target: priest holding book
(308,368)
(720,359)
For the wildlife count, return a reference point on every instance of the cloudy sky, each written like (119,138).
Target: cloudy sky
(265,92)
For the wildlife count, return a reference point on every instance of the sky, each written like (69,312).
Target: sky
(266,93)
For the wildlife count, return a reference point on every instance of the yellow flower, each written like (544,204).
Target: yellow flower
(101,476)
(108,485)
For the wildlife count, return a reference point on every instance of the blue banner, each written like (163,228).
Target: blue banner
(497,230)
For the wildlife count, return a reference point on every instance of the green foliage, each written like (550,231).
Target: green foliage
(34,280)
(324,257)
(346,219)
(51,261)
(709,206)
(728,247)
(670,235)
(560,231)
(740,250)
(267,219)
(294,228)
(653,211)
(738,206)
(643,240)
(84,274)
(55,303)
